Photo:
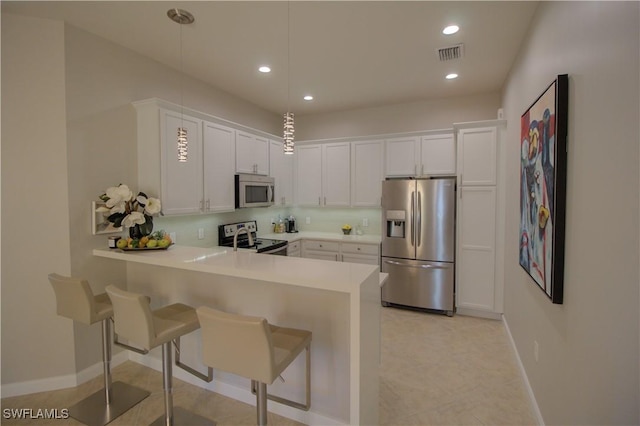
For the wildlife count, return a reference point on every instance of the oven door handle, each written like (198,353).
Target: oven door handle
(275,250)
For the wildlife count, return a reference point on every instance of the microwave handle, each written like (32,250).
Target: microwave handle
(270,193)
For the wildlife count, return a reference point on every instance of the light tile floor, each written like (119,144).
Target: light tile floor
(435,370)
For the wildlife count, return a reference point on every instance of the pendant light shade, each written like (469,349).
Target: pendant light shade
(288,133)
(181,17)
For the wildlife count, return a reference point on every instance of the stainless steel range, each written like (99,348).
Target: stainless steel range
(241,231)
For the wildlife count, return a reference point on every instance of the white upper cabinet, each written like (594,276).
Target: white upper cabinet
(477,156)
(181,182)
(219,154)
(336,164)
(402,155)
(367,173)
(281,169)
(252,154)
(309,174)
(438,155)
(323,174)
(416,156)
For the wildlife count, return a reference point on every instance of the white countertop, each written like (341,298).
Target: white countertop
(326,236)
(311,273)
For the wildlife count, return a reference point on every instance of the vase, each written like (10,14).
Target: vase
(138,231)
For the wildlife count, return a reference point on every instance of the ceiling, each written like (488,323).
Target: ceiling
(348,55)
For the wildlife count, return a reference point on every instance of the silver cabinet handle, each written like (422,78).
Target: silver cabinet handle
(319,202)
(208,204)
(201,205)
(325,201)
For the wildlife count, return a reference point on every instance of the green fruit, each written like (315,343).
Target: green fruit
(152,243)
(163,243)
(122,243)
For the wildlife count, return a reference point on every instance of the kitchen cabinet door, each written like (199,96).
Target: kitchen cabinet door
(281,169)
(402,155)
(438,155)
(181,182)
(309,175)
(252,154)
(219,155)
(336,175)
(367,173)
(476,248)
(477,156)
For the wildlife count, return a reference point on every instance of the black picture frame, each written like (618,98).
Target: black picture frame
(543,188)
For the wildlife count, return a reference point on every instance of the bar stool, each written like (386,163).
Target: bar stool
(74,300)
(252,348)
(135,321)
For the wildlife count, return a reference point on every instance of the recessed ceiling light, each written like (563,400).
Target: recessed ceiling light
(264,69)
(451,76)
(451,29)
(308,98)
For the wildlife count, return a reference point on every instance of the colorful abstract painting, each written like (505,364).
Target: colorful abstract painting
(543,134)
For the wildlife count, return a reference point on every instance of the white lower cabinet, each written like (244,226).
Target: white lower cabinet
(341,252)
(360,253)
(293,249)
(323,250)
(476,248)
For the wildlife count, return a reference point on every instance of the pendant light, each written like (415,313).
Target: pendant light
(288,116)
(181,17)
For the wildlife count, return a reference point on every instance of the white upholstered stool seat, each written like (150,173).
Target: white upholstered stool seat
(75,300)
(252,348)
(147,329)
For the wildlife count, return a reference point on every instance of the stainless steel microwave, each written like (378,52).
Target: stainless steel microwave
(254,191)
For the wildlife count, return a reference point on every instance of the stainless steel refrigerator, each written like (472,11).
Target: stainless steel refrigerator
(418,243)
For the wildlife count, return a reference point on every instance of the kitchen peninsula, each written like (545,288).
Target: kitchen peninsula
(338,302)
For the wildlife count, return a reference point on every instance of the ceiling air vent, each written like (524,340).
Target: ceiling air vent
(453,52)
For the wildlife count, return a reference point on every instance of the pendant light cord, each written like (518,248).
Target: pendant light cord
(288,57)
(181,82)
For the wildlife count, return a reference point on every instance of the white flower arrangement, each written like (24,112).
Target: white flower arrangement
(126,210)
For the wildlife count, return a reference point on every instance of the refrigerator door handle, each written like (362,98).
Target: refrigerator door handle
(413,208)
(391,262)
(419,219)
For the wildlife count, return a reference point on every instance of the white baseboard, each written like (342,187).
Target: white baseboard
(532,397)
(240,394)
(478,313)
(60,382)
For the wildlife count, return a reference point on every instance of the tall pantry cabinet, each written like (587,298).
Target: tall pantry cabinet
(480,233)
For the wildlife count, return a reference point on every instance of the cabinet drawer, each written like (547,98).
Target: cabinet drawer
(294,246)
(360,248)
(321,245)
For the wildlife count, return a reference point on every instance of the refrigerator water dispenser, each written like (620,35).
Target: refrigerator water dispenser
(396,220)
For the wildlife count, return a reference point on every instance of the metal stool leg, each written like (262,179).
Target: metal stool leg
(177,415)
(262,403)
(105,405)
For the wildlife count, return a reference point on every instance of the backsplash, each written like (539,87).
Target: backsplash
(321,220)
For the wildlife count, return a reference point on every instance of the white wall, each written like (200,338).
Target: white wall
(69,132)
(588,368)
(36,343)
(431,114)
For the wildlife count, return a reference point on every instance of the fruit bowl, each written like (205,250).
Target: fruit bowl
(145,248)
